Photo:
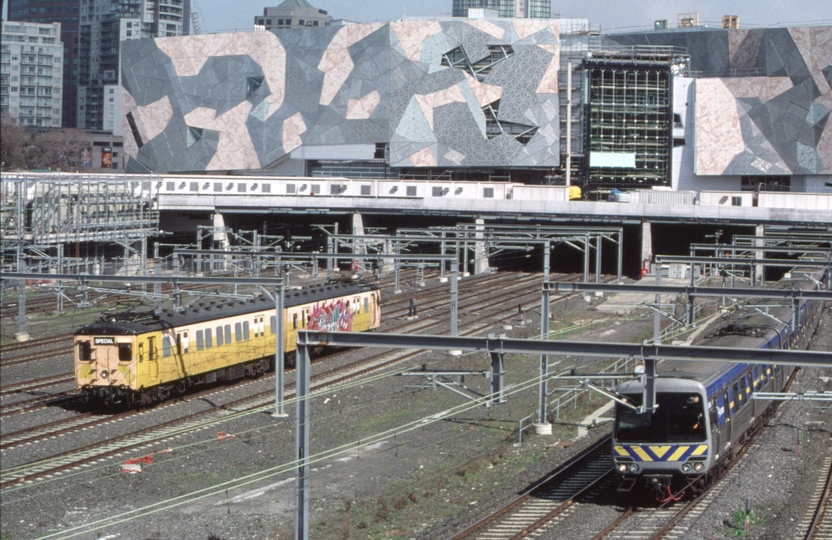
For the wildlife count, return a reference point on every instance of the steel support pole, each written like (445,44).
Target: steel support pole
(302,417)
(543,413)
(496,379)
(330,251)
(157,271)
(22,333)
(620,253)
(649,398)
(442,249)
(691,300)
(60,283)
(454,297)
(279,346)
(657,318)
(586,258)
(397,289)
(598,258)
(569,124)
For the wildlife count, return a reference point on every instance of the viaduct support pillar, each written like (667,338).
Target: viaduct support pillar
(480,255)
(646,246)
(759,270)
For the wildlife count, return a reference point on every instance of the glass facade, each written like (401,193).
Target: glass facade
(534,9)
(630,122)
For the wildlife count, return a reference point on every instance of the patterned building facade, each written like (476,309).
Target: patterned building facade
(762,98)
(750,106)
(105,25)
(455,93)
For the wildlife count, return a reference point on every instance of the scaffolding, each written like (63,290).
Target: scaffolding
(49,219)
(628,105)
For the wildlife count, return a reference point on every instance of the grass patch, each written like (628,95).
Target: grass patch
(734,526)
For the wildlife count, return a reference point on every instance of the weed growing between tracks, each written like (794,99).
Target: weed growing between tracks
(735,526)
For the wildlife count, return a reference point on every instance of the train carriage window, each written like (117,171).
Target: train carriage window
(227,334)
(680,417)
(208,339)
(737,397)
(246,330)
(219,336)
(273,324)
(238,332)
(200,340)
(366,304)
(84,351)
(295,321)
(166,348)
(125,352)
(256,327)
(151,348)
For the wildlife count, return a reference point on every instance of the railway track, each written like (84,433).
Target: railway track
(432,302)
(157,434)
(543,505)
(818,524)
(8,350)
(670,520)
(46,303)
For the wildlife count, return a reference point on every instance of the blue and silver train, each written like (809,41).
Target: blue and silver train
(705,411)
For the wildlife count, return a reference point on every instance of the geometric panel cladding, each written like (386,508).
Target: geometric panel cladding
(763,97)
(244,100)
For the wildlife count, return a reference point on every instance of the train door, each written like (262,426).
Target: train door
(104,359)
(731,407)
(84,370)
(152,358)
(714,422)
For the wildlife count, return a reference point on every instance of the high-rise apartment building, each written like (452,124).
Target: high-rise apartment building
(66,13)
(292,13)
(104,25)
(31,65)
(519,9)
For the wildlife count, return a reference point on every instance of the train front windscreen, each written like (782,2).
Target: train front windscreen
(679,417)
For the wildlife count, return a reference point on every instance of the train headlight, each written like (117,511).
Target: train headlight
(622,467)
(698,467)
(686,468)
(104,373)
(633,467)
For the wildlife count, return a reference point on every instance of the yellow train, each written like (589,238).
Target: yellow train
(139,360)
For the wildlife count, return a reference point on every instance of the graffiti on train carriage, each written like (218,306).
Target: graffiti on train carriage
(335,316)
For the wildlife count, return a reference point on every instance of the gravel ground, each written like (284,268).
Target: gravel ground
(424,484)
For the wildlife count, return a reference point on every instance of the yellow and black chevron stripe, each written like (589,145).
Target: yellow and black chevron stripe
(657,452)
